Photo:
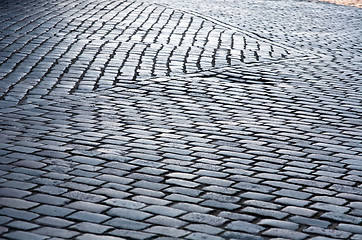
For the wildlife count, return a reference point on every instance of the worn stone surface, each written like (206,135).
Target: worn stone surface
(186,119)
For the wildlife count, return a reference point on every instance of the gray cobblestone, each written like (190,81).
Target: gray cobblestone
(279,224)
(18,214)
(168,231)
(204,229)
(186,191)
(257,196)
(328,232)
(293,194)
(220,205)
(90,227)
(128,213)
(111,193)
(182,183)
(322,238)
(254,187)
(330,207)
(183,198)
(56,232)
(310,221)
(204,218)
(356,236)
(52,210)
(285,233)
(13,188)
(17,203)
(244,227)
(327,199)
(51,190)
(350,228)
(22,225)
(54,222)
(77,195)
(292,201)
(203,236)
(236,216)
(88,217)
(48,199)
(96,237)
(163,210)
(131,234)
(340,217)
(299,211)
(238,235)
(150,185)
(24,235)
(184,119)
(126,224)
(265,212)
(151,200)
(189,207)
(167,221)
(262,204)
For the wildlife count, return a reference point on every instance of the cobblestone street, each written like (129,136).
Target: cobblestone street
(180,120)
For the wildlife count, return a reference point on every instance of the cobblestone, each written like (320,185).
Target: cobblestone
(244,227)
(299,211)
(16,203)
(90,227)
(18,214)
(163,210)
(24,235)
(167,221)
(22,225)
(328,232)
(203,236)
(340,217)
(204,218)
(186,119)
(192,207)
(56,232)
(52,210)
(126,224)
(285,233)
(54,221)
(238,235)
(204,229)
(88,217)
(93,236)
(168,231)
(310,221)
(279,224)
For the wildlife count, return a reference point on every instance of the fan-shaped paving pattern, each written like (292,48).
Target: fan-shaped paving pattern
(64,46)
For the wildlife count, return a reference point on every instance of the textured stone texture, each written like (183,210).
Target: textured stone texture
(184,119)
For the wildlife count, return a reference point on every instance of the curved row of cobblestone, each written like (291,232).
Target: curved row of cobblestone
(60,51)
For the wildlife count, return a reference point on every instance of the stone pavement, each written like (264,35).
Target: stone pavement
(180,120)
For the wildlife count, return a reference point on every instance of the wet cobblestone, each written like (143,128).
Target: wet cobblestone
(180,120)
